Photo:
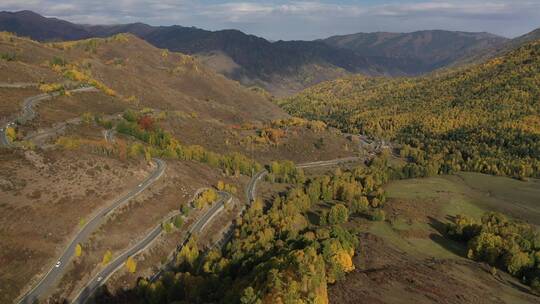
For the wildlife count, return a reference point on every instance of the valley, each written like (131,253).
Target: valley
(171,164)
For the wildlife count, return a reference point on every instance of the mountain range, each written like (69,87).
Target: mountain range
(284,67)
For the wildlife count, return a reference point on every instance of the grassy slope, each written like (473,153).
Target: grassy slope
(411,240)
(406,259)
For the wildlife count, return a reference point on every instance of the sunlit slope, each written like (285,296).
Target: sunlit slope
(483,118)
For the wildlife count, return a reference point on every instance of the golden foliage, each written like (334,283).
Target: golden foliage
(131,265)
(11,134)
(78,250)
(107,258)
(204,198)
(220,185)
(344,260)
(51,87)
(483,118)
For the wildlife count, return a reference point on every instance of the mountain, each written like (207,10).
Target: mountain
(532,36)
(484,54)
(428,49)
(479,118)
(99,144)
(135,70)
(282,67)
(30,24)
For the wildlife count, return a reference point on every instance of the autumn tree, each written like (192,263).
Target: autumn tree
(131,265)
(220,185)
(338,214)
(188,255)
(78,250)
(107,257)
(145,122)
(11,134)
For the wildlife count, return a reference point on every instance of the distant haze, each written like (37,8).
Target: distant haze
(304,20)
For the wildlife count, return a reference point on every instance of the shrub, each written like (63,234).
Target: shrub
(59,61)
(8,56)
(178,221)
(185,210)
(51,87)
(378,215)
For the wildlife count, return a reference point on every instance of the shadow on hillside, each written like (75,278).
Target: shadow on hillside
(440,238)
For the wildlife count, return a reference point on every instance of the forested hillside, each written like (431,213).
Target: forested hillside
(484,118)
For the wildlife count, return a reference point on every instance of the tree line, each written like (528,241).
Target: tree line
(511,245)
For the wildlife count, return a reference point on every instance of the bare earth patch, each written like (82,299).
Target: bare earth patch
(44,197)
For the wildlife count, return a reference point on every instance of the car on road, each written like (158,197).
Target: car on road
(99,279)
(58,264)
(140,185)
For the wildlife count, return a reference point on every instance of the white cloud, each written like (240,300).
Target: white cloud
(278,19)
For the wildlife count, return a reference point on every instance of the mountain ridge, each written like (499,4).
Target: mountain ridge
(281,67)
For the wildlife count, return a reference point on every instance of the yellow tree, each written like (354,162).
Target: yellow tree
(131,265)
(220,185)
(78,250)
(11,133)
(107,257)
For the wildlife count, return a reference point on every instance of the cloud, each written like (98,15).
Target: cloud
(277,19)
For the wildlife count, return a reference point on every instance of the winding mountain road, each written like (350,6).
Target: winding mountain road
(28,112)
(112,267)
(57,270)
(18,85)
(252,185)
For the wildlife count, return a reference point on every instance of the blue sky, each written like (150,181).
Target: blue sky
(301,19)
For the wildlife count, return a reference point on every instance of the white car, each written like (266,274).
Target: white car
(99,279)
(58,264)
(140,185)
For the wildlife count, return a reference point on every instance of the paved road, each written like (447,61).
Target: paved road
(18,85)
(332,162)
(61,126)
(252,188)
(196,228)
(112,267)
(28,112)
(252,185)
(56,270)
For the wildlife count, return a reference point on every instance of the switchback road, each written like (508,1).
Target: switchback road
(112,267)
(57,270)
(28,112)
(252,185)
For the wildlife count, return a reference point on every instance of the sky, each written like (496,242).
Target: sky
(302,20)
